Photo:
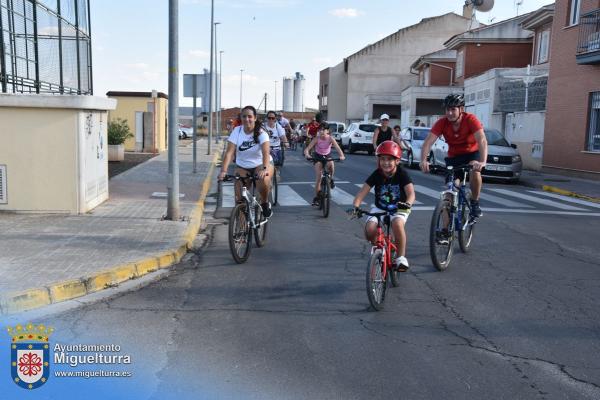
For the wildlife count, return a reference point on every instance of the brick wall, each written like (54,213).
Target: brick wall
(569,89)
(480,57)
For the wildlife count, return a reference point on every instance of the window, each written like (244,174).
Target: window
(460,60)
(574,12)
(593,142)
(543,46)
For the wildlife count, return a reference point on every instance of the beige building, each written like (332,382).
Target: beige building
(53,153)
(148,127)
(370,81)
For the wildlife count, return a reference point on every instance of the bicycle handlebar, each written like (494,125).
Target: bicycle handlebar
(325,160)
(236,177)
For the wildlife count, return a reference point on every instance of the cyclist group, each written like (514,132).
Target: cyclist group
(250,144)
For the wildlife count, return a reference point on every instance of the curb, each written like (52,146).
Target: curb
(71,289)
(554,189)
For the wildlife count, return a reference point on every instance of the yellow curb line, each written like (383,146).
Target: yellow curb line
(71,289)
(554,189)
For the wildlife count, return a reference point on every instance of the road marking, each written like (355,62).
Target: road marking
(340,197)
(567,198)
(286,196)
(537,200)
(310,183)
(427,192)
(504,202)
(518,211)
(228,195)
(373,191)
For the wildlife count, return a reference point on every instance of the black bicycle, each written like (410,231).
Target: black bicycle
(278,155)
(451,216)
(324,195)
(246,219)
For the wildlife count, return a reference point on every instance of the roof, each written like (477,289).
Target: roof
(403,30)
(539,17)
(507,31)
(437,56)
(135,94)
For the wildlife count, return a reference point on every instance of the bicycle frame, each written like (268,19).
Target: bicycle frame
(383,241)
(250,200)
(458,197)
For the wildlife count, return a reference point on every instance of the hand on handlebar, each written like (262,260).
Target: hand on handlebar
(353,212)
(222,175)
(403,206)
(424,165)
(477,165)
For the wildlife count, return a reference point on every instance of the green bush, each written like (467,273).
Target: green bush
(118,131)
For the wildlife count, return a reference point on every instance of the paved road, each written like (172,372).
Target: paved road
(515,319)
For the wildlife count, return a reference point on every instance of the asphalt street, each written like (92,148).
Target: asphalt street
(515,318)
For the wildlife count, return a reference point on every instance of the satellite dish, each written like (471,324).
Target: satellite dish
(483,5)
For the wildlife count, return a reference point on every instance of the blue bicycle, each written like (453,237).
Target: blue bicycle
(451,218)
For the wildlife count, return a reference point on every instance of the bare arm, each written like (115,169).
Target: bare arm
(337,148)
(310,146)
(364,190)
(483,150)
(429,141)
(375,135)
(229,153)
(266,159)
(409,190)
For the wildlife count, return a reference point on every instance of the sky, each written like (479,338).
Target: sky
(268,39)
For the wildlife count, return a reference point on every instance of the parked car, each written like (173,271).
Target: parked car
(503,160)
(413,136)
(359,136)
(336,129)
(184,131)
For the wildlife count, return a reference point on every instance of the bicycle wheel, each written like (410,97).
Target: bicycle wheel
(240,234)
(394,275)
(260,232)
(274,187)
(376,283)
(465,236)
(325,197)
(440,248)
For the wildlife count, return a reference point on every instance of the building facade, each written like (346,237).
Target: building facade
(572,134)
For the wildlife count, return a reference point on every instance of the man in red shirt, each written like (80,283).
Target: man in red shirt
(466,143)
(312,128)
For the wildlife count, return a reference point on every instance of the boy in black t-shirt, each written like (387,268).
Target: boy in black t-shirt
(394,187)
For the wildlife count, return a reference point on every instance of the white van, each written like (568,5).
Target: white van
(336,129)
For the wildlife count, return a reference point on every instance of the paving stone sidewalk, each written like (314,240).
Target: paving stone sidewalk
(40,251)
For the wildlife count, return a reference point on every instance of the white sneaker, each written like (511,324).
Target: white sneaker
(401,263)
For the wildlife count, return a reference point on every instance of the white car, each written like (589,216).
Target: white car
(184,131)
(359,136)
(414,136)
(336,129)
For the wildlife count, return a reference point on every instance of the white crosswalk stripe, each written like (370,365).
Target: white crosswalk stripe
(286,196)
(567,199)
(534,199)
(340,196)
(228,197)
(504,202)
(428,192)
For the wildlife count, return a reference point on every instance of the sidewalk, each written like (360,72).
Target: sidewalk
(565,185)
(46,259)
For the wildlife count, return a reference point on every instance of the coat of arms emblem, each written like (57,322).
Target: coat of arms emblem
(30,355)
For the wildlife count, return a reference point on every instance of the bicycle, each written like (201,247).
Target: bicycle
(451,215)
(381,264)
(325,193)
(278,158)
(246,218)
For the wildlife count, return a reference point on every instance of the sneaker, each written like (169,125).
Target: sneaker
(442,237)
(475,209)
(266,209)
(332,183)
(401,264)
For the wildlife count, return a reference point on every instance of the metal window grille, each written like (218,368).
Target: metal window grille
(594,128)
(45,47)
(3,197)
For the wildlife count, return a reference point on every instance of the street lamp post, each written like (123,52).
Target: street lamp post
(241,75)
(220,88)
(211,76)
(218,124)
(173,169)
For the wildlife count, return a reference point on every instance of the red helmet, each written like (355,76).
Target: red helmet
(389,148)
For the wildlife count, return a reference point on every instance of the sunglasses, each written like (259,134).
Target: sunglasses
(271,118)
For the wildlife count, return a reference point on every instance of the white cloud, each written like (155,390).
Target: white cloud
(345,12)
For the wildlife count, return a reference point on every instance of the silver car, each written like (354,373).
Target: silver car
(413,136)
(503,160)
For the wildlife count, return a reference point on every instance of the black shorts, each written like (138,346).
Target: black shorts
(461,159)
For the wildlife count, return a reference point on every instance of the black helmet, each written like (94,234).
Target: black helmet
(454,100)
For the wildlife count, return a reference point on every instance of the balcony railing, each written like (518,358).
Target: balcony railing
(588,45)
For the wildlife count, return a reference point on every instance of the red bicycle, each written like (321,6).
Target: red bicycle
(383,253)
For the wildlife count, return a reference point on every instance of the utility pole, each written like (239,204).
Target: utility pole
(173,181)
(241,75)
(220,88)
(210,84)
(216,85)
(275,105)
